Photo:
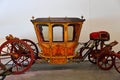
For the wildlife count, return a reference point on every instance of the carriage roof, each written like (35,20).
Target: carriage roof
(65,19)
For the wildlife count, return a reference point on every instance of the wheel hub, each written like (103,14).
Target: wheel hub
(15,55)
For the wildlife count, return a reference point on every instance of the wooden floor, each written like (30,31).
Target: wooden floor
(82,71)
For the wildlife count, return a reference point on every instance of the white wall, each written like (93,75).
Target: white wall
(15,16)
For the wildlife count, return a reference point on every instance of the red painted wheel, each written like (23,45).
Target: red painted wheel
(117,62)
(33,46)
(16,54)
(105,61)
(92,57)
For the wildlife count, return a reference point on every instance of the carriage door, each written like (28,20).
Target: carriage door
(58,45)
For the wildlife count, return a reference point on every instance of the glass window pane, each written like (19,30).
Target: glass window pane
(70,32)
(44,31)
(58,34)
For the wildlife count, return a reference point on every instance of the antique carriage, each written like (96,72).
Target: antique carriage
(58,39)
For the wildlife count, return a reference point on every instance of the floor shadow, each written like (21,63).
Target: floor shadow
(73,66)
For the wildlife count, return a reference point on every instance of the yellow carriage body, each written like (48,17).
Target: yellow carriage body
(57,38)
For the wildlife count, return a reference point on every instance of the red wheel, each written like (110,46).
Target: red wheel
(105,61)
(33,46)
(16,54)
(117,63)
(92,57)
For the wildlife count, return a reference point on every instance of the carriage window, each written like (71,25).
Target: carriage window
(70,32)
(58,33)
(44,31)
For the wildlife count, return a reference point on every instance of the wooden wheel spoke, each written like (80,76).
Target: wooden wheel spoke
(8,47)
(17,54)
(16,67)
(23,60)
(8,62)
(92,58)
(26,59)
(105,65)
(117,64)
(102,64)
(33,46)
(4,52)
(106,62)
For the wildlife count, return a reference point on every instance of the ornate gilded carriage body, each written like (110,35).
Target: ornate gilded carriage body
(57,37)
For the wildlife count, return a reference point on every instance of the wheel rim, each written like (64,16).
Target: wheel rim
(14,56)
(117,64)
(33,46)
(105,61)
(91,58)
